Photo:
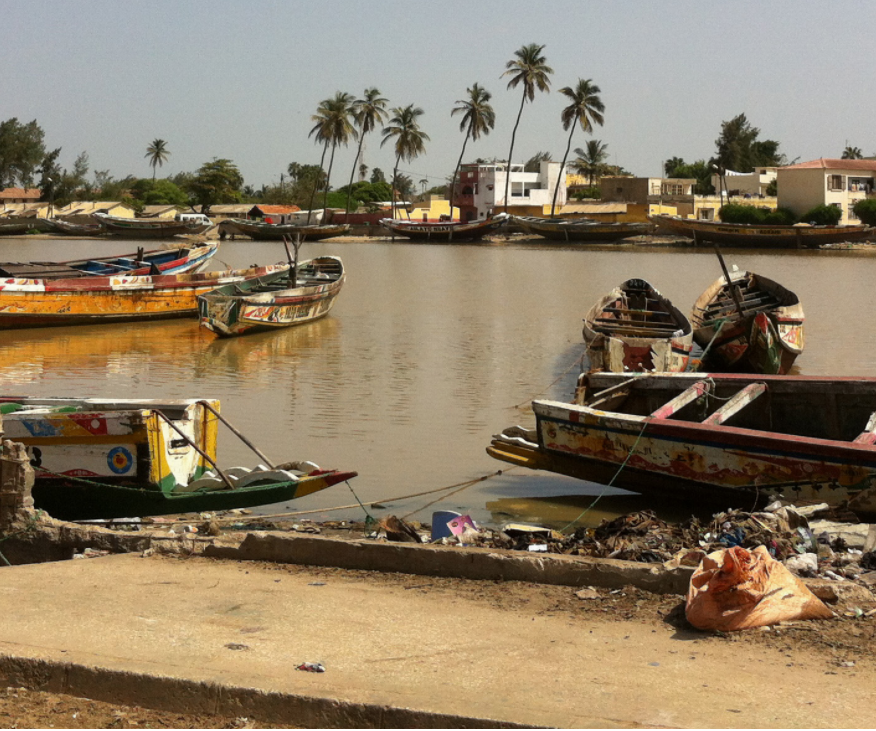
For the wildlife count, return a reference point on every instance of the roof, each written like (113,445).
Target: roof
(831,163)
(10,193)
(221,208)
(279,210)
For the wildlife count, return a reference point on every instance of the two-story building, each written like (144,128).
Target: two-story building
(480,190)
(753,184)
(827,181)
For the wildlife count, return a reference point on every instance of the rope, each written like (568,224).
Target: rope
(579,361)
(711,342)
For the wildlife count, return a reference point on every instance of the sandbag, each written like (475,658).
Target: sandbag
(735,589)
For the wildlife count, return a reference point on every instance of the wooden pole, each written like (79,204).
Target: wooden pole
(196,447)
(733,292)
(240,436)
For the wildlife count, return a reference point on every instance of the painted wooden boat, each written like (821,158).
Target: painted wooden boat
(261,231)
(274,301)
(748,235)
(149,228)
(752,324)
(110,299)
(68,228)
(159,261)
(445,232)
(581,229)
(22,225)
(735,438)
(99,459)
(635,328)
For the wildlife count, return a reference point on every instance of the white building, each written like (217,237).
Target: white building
(480,190)
(752,184)
(832,182)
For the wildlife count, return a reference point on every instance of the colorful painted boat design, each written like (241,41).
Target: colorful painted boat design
(737,438)
(96,459)
(149,228)
(578,230)
(752,325)
(98,300)
(635,328)
(274,301)
(445,233)
(261,231)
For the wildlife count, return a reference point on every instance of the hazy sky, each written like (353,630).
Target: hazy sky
(240,80)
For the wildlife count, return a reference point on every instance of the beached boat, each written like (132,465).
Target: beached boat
(177,260)
(149,228)
(756,236)
(581,229)
(114,298)
(445,232)
(68,228)
(262,231)
(736,438)
(103,459)
(635,328)
(752,324)
(278,300)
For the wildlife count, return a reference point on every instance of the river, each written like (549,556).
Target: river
(429,351)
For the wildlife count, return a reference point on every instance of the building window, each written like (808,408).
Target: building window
(707,214)
(834,182)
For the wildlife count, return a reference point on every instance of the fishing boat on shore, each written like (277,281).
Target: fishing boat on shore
(94,300)
(263,231)
(68,228)
(748,323)
(635,328)
(149,228)
(303,293)
(444,232)
(104,459)
(572,230)
(761,236)
(175,260)
(738,438)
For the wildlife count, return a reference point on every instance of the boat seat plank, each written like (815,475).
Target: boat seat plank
(642,313)
(713,320)
(629,322)
(633,330)
(736,403)
(687,396)
(868,436)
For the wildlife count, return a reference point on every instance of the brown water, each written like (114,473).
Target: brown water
(426,354)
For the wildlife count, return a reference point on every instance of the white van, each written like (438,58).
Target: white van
(194,218)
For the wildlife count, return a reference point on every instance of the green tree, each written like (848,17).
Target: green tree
(700,170)
(159,193)
(529,70)
(823,215)
(339,129)
(409,139)
(590,160)
(157,153)
(217,181)
(584,109)
(377,176)
(478,118)
(50,174)
(369,112)
(852,153)
(739,149)
(22,150)
(533,164)
(865,210)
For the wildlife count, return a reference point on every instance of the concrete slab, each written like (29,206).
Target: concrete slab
(199,634)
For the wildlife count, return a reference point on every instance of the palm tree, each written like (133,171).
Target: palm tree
(584,109)
(530,70)
(409,139)
(333,128)
(157,153)
(369,112)
(590,160)
(478,118)
(363,171)
(852,153)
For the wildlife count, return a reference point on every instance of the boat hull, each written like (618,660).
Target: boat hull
(277,231)
(578,231)
(149,228)
(444,233)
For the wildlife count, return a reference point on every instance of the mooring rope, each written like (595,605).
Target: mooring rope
(578,361)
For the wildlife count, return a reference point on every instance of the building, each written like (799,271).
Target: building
(753,184)
(81,211)
(282,214)
(480,190)
(19,195)
(826,181)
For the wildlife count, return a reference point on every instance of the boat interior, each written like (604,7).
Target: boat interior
(90,268)
(638,313)
(841,410)
(752,298)
(310,273)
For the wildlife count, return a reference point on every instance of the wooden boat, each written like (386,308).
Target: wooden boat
(114,298)
(635,328)
(581,229)
(736,438)
(261,231)
(159,261)
(756,236)
(274,301)
(96,459)
(149,228)
(68,228)
(444,232)
(752,324)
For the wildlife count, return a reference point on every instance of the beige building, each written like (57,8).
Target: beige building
(753,184)
(832,182)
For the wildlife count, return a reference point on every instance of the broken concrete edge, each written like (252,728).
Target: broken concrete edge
(180,695)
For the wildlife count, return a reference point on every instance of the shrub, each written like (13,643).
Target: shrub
(739,213)
(866,211)
(780,217)
(822,216)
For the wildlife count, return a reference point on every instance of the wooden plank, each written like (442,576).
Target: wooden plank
(738,402)
(606,393)
(683,399)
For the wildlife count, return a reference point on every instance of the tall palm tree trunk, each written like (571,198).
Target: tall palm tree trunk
(511,151)
(353,171)
(316,182)
(563,167)
(394,181)
(456,174)
(328,178)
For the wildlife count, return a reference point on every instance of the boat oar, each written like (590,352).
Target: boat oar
(240,436)
(733,292)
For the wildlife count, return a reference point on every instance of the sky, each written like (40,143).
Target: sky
(240,80)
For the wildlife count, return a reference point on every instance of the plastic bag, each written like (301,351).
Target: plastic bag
(736,589)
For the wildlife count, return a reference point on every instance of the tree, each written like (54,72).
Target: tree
(363,171)
(369,112)
(585,108)
(865,210)
(823,215)
(533,164)
(332,128)
(590,160)
(700,170)
(852,153)
(159,193)
(218,181)
(739,149)
(409,139)
(478,118)
(22,150)
(50,174)
(527,69)
(157,153)
(377,176)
